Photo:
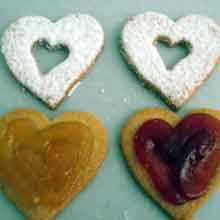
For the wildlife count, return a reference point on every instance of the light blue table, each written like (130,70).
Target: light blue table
(112,92)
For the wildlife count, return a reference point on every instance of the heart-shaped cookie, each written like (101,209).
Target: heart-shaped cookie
(44,164)
(144,174)
(81,34)
(177,85)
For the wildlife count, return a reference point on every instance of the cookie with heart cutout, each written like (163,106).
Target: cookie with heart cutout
(80,33)
(176,161)
(45,163)
(176,86)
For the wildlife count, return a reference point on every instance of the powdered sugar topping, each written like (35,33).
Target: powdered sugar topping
(178,84)
(81,34)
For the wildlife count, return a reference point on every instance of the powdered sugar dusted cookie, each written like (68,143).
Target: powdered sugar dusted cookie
(80,33)
(177,85)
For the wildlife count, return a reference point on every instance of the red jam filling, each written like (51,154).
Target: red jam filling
(182,160)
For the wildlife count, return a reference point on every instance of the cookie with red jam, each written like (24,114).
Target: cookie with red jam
(175,160)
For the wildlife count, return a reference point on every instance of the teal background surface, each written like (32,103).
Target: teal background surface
(113,93)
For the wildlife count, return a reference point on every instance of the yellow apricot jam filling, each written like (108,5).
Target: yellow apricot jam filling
(43,165)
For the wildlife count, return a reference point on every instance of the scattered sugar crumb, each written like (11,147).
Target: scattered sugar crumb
(23,89)
(125,215)
(108,118)
(125,100)
(73,89)
(102,91)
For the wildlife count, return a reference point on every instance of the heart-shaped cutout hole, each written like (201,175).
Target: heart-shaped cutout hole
(172,54)
(154,175)
(138,43)
(47,57)
(81,33)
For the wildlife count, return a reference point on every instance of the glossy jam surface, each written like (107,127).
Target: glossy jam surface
(41,165)
(180,161)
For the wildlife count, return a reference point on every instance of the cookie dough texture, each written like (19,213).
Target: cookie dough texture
(180,212)
(80,33)
(85,174)
(139,37)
